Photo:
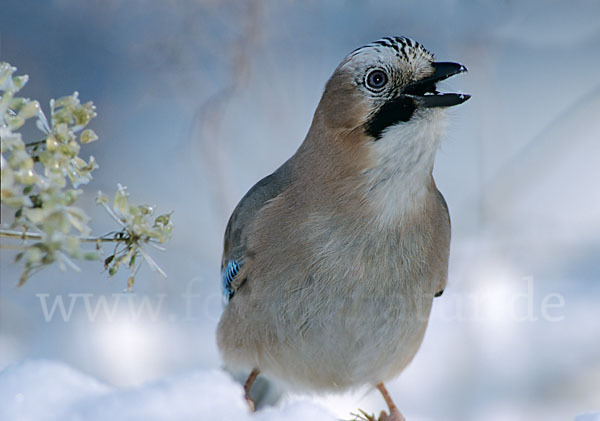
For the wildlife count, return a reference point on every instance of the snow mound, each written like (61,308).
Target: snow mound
(48,390)
(44,390)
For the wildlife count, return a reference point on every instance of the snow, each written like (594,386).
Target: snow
(42,390)
(518,169)
(38,390)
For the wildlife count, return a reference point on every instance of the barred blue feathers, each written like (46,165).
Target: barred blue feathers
(228,274)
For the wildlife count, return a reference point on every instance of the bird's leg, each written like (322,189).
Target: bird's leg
(248,385)
(395,414)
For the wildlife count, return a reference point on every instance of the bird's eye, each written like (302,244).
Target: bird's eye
(376,79)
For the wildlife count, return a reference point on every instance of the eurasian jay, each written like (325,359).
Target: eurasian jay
(331,263)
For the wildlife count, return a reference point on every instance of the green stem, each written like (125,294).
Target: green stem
(22,235)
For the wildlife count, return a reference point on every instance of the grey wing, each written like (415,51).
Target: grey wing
(234,247)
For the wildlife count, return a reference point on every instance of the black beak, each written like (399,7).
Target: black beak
(424,91)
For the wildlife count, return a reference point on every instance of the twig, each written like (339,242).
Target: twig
(33,144)
(23,235)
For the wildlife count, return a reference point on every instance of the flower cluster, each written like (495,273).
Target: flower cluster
(40,183)
(137,229)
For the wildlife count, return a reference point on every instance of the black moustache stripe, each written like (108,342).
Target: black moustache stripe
(398,110)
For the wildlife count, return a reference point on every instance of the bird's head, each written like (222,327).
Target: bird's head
(387,83)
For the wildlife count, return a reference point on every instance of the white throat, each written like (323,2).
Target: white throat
(403,159)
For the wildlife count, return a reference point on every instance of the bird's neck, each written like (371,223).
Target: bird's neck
(379,181)
(398,182)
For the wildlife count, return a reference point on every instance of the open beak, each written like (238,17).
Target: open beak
(424,91)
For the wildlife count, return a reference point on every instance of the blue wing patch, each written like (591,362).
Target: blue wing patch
(227,276)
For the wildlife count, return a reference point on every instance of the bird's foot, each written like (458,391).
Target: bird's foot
(248,385)
(394,415)
(250,403)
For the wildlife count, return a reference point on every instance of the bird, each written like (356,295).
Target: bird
(331,263)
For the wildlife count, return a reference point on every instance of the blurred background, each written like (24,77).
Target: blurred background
(198,100)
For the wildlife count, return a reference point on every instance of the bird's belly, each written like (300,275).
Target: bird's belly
(349,340)
(321,333)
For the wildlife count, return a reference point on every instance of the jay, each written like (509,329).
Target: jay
(331,264)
